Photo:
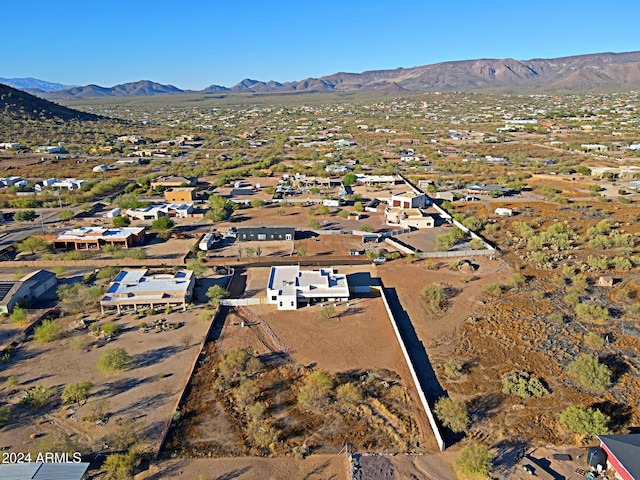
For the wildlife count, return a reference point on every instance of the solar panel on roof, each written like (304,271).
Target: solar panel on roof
(4,289)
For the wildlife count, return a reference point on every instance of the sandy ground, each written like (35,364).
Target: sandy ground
(147,390)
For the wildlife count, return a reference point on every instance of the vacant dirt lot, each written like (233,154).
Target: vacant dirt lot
(145,391)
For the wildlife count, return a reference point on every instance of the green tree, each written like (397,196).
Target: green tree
(32,245)
(357,207)
(349,179)
(453,414)
(591,374)
(79,297)
(112,360)
(585,421)
(25,216)
(66,215)
(163,224)
(77,392)
(473,461)
(120,221)
(215,294)
(196,266)
(107,273)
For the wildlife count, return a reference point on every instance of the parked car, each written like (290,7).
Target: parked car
(379,260)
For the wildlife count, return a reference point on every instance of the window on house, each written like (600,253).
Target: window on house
(292,304)
(274,298)
(280,303)
(262,236)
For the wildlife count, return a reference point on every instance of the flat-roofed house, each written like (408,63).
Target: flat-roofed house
(26,290)
(409,200)
(180,195)
(289,287)
(247,234)
(137,289)
(94,238)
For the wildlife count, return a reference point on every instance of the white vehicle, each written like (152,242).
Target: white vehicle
(379,260)
(206,242)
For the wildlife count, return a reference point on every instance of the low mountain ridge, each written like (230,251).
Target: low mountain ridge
(133,89)
(17,105)
(575,73)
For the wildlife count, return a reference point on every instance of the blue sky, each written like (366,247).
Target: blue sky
(193,44)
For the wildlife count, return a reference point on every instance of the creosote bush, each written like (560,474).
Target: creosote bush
(592,374)
(453,414)
(523,385)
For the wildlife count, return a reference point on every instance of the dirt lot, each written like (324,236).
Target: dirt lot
(146,390)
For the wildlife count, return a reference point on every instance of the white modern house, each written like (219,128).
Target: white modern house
(136,289)
(290,287)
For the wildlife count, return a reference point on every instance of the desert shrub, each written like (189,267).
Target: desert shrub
(598,263)
(47,331)
(593,340)
(591,374)
(127,434)
(435,296)
(366,228)
(261,434)
(348,396)
(38,396)
(246,392)
(517,280)
(112,360)
(430,265)
(314,394)
(556,318)
(452,414)
(314,224)
(5,415)
(473,461)
(76,392)
(592,313)
(585,421)
(476,244)
(236,366)
(493,289)
(523,385)
(120,466)
(13,380)
(110,328)
(19,315)
(452,368)
(621,263)
(327,312)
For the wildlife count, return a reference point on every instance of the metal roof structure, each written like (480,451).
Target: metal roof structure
(44,471)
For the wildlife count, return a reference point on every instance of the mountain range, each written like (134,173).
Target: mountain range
(33,85)
(599,71)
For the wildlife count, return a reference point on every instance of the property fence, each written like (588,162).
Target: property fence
(403,247)
(455,253)
(414,375)
(241,302)
(94,263)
